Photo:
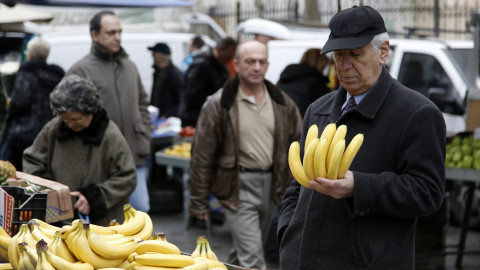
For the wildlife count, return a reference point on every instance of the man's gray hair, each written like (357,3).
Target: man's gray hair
(38,48)
(75,94)
(378,40)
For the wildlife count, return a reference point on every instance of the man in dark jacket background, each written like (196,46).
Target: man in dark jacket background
(366,220)
(29,109)
(304,82)
(206,74)
(167,81)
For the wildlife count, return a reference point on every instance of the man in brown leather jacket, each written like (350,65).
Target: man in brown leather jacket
(239,153)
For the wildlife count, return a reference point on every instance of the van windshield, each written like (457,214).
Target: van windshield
(461,58)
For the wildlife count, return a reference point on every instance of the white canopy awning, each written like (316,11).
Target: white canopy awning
(19,14)
(264,27)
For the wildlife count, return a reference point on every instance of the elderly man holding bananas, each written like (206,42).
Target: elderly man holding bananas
(365,218)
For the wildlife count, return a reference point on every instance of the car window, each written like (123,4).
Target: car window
(422,72)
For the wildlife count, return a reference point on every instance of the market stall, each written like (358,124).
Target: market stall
(470,178)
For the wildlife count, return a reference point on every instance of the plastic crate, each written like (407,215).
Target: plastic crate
(27,206)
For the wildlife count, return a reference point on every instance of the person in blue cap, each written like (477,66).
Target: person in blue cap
(366,219)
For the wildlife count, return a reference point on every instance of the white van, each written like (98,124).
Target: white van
(67,48)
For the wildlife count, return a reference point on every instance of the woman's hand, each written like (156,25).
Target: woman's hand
(82,205)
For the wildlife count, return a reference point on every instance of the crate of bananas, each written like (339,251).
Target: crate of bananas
(84,246)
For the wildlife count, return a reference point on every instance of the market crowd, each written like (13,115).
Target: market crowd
(89,127)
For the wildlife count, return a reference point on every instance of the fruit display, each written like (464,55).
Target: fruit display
(182,150)
(188,131)
(204,254)
(324,156)
(463,151)
(7,170)
(85,246)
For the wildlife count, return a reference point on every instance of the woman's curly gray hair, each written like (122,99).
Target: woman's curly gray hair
(75,94)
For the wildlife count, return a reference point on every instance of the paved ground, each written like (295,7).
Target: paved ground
(174,226)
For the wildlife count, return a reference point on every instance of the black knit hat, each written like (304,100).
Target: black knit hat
(353,28)
(161,48)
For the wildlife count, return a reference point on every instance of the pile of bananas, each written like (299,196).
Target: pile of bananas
(204,255)
(158,253)
(182,150)
(85,246)
(4,242)
(324,156)
(81,245)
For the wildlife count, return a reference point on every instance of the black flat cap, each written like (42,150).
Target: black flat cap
(353,28)
(161,48)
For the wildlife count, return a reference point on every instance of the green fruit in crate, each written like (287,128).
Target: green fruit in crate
(476,164)
(449,147)
(456,141)
(457,157)
(476,143)
(454,149)
(448,158)
(467,140)
(466,149)
(467,162)
(7,170)
(451,164)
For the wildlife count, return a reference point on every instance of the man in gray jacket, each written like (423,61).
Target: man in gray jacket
(367,219)
(118,82)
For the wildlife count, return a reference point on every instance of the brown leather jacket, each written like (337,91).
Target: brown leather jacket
(214,164)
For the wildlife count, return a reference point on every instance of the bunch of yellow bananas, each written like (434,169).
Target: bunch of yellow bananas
(81,245)
(5,266)
(158,252)
(4,242)
(85,246)
(107,247)
(324,156)
(137,224)
(100,250)
(204,255)
(24,253)
(46,260)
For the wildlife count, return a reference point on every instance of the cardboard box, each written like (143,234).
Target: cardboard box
(6,210)
(59,201)
(26,205)
(473,121)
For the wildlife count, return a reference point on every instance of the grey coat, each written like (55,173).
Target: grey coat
(399,175)
(122,95)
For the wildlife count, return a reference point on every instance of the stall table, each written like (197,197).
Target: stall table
(469,177)
(184,163)
(166,160)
